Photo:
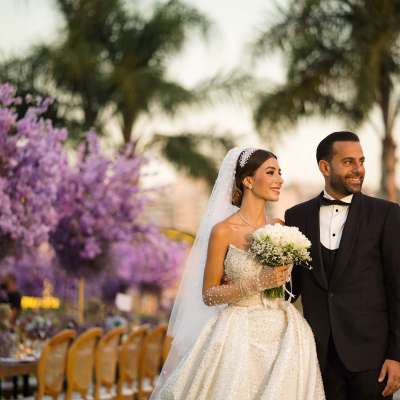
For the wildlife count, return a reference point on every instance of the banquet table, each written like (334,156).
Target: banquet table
(12,367)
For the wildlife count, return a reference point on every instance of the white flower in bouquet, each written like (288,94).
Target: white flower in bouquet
(275,245)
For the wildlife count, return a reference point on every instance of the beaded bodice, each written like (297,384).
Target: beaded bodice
(240,265)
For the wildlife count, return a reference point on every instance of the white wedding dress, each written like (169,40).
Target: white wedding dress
(253,349)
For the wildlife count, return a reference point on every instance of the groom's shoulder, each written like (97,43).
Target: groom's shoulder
(376,202)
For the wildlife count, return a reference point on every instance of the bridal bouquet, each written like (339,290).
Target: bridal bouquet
(276,245)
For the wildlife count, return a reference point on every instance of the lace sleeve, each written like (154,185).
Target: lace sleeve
(232,292)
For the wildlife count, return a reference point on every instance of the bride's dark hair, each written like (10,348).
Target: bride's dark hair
(250,167)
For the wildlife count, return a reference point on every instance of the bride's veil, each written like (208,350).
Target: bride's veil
(189,313)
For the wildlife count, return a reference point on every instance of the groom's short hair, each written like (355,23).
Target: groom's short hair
(325,147)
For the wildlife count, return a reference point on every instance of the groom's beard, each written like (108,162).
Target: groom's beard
(340,184)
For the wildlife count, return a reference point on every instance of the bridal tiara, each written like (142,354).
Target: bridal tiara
(246,155)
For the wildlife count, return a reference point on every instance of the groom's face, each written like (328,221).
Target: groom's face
(345,172)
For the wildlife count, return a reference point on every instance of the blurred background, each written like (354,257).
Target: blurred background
(114,118)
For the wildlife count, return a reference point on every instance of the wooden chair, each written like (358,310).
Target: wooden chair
(151,360)
(81,356)
(52,365)
(128,362)
(106,363)
(166,347)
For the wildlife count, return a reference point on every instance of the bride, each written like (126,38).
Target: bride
(229,342)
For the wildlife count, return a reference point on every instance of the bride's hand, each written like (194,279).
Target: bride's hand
(274,277)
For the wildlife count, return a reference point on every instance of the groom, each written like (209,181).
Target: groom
(351,298)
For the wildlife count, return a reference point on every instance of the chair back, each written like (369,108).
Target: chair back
(81,356)
(166,348)
(129,359)
(151,359)
(52,364)
(107,359)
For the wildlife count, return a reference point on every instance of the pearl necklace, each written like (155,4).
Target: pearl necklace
(247,222)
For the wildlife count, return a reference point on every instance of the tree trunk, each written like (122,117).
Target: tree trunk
(126,133)
(388,158)
(90,115)
(127,126)
(388,162)
(81,301)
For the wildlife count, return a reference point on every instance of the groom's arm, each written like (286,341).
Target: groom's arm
(391,265)
(295,289)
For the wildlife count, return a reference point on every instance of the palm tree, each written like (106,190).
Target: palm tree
(111,62)
(123,57)
(343,59)
(115,57)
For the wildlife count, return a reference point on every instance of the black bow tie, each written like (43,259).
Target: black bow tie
(332,202)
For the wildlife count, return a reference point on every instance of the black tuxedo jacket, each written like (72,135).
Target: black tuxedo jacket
(360,307)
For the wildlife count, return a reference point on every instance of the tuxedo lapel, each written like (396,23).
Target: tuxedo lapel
(349,237)
(314,237)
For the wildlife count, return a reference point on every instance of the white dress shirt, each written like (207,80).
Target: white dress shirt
(331,222)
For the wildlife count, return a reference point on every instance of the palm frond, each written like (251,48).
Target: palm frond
(198,155)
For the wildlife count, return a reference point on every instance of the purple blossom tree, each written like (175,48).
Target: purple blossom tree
(100,203)
(92,212)
(31,270)
(66,286)
(33,163)
(153,261)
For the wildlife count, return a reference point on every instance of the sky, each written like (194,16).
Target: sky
(24,23)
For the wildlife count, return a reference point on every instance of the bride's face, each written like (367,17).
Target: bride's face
(267,180)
